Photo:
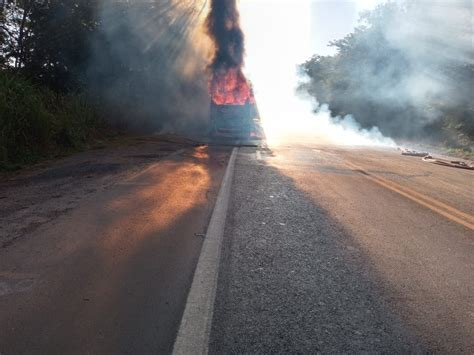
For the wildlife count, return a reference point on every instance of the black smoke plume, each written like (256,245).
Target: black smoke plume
(223,27)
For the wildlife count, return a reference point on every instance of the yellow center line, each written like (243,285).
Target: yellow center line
(443,209)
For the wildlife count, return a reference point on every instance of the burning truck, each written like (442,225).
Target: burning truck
(234,112)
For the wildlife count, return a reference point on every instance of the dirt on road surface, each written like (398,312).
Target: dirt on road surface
(35,196)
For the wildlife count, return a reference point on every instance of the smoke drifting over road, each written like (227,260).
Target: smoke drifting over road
(223,27)
(407,75)
(276,43)
(408,70)
(148,64)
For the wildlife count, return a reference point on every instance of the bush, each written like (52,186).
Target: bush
(36,122)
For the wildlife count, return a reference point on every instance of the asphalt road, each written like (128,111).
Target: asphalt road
(105,255)
(325,249)
(345,250)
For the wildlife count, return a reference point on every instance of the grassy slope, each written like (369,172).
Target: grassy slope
(37,123)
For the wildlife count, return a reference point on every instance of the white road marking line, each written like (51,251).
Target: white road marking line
(195,328)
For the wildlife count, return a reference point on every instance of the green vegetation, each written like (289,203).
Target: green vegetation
(406,70)
(44,107)
(36,122)
(60,60)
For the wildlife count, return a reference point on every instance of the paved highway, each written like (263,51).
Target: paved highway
(324,249)
(343,250)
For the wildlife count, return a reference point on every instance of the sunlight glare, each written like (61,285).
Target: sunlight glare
(278,38)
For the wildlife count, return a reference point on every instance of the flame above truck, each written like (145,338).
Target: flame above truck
(230,87)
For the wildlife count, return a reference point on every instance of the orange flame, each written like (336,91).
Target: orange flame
(230,87)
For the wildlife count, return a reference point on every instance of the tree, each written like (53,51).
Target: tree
(384,77)
(57,49)
(13,30)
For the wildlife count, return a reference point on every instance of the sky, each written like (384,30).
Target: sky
(280,34)
(303,27)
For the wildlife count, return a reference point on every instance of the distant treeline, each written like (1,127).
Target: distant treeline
(407,69)
(68,66)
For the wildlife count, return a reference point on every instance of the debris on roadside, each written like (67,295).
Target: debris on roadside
(426,157)
(451,163)
(413,153)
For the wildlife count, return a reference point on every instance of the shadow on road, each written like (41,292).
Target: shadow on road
(293,279)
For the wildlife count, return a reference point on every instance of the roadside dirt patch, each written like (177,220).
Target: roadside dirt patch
(40,194)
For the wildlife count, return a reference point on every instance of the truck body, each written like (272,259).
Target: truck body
(235,122)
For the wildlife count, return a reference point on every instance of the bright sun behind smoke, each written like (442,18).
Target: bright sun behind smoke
(278,38)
